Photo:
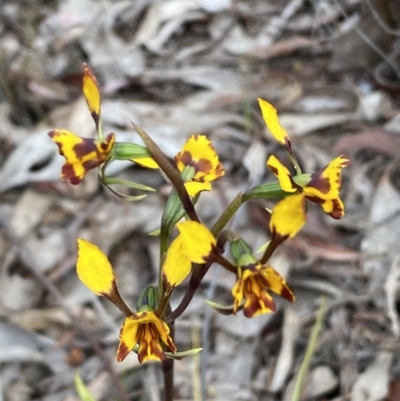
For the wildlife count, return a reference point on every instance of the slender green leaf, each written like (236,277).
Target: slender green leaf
(81,389)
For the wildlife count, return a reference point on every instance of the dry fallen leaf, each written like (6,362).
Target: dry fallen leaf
(159,13)
(213,6)
(375,139)
(373,384)
(28,212)
(34,160)
(302,124)
(373,106)
(254,161)
(17,290)
(320,381)
(284,364)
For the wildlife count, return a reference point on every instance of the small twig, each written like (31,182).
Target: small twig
(277,24)
(373,46)
(343,300)
(380,20)
(69,262)
(79,220)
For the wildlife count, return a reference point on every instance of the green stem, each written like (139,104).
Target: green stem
(129,184)
(129,151)
(173,212)
(295,163)
(266,191)
(305,365)
(227,214)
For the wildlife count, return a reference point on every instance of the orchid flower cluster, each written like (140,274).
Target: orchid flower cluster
(188,247)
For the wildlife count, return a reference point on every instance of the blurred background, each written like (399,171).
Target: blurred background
(181,67)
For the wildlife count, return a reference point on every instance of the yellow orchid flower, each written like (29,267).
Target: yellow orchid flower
(147,330)
(144,328)
(252,286)
(81,154)
(199,155)
(323,186)
(84,154)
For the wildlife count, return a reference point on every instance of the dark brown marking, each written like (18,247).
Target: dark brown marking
(202,165)
(122,352)
(273,169)
(96,118)
(268,301)
(68,173)
(317,181)
(91,164)
(337,211)
(85,147)
(286,293)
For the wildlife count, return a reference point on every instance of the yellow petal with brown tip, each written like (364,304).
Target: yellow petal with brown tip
(92,93)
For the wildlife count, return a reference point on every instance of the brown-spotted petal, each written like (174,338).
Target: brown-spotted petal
(276,283)
(334,207)
(147,330)
(325,184)
(250,287)
(81,154)
(199,153)
(257,299)
(282,173)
